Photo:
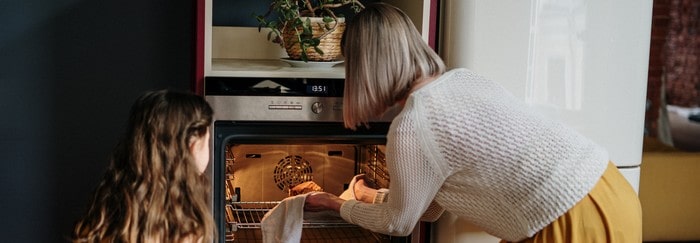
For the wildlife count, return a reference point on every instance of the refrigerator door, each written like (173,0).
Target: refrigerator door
(583,62)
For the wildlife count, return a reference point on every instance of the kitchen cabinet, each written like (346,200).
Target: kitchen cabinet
(243,51)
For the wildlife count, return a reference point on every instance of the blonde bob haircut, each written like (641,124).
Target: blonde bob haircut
(384,56)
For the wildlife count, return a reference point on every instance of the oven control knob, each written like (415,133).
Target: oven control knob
(317,107)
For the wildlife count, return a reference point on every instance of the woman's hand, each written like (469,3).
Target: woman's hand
(320,201)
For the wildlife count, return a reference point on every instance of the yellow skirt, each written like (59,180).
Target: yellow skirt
(611,212)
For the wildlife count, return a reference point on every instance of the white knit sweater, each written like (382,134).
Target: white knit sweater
(466,144)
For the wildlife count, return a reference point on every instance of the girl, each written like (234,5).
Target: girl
(153,190)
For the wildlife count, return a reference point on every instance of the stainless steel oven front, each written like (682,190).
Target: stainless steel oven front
(271,134)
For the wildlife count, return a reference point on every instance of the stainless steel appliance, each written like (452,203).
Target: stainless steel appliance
(271,134)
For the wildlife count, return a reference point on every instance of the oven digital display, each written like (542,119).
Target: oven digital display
(317,89)
(255,86)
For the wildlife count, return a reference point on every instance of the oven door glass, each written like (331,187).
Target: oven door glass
(256,164)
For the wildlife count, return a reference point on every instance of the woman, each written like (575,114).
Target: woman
(463,144)
(153,190)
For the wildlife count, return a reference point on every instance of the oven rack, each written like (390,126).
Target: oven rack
(375,168)
(248,215)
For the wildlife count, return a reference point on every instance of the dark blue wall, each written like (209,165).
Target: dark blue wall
(69,70)
(242,13)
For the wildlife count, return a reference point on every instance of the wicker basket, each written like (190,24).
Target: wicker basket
(330,41)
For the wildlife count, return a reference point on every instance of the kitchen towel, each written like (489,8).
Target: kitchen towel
(283,223)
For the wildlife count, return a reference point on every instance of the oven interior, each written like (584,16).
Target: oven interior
(258,176)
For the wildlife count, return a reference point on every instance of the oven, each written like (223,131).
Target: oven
(271,134)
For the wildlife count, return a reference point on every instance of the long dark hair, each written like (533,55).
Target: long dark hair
(152,190)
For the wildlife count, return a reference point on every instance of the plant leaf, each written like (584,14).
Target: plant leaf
(318,50)
(315,41)
(304,57)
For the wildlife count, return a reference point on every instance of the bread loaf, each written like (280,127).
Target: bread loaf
(305,187)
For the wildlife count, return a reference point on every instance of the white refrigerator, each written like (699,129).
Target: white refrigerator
(583,62)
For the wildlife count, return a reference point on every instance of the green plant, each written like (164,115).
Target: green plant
(292,17)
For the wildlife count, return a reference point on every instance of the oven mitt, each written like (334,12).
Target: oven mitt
(350,193)
(381,196)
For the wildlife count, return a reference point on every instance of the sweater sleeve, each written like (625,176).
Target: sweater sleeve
(432,214)
(414,183)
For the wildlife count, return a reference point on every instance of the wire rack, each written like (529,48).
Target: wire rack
(244,220)
(248,215)
(231,194)
(374,167)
